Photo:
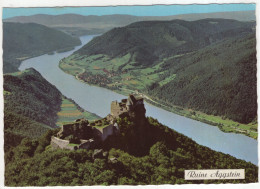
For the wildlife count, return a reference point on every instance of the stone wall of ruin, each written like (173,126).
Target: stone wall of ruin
(59,143)
(115,109)
(107,131)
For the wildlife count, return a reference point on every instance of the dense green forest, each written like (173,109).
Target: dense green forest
(17,127)
(158,158)
(21,41)
(30,106)
(212,81)
(27,93)
(149,41)
(206,65)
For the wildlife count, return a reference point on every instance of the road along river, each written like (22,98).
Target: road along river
(97,100)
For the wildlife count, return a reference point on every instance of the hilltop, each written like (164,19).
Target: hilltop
(185,67)
(141,151)
(149,42)
(83,134)
(23,41)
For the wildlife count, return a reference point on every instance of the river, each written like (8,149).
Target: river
(97,100)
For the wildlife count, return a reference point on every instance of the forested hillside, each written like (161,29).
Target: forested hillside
(32,106)
(22,41)
(17,127)
(150,41)
(219,79)
(27,93)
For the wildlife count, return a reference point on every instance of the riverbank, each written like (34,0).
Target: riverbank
(225,125)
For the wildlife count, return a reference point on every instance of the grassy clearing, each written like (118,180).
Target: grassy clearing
(6,92)
(100,128)
(71,144)
(23,58)
(69,112)
(232,126)
(101,64)
(17,73)
(225,125)
(90,116)
(167,80)
(70,68)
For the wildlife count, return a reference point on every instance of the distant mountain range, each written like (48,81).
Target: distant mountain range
(81,25)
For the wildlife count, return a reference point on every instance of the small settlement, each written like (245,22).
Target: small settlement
(83,134)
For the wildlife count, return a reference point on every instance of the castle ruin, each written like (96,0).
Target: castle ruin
(126,105)
(83,134)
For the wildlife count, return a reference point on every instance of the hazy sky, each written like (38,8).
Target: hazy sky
(155,10)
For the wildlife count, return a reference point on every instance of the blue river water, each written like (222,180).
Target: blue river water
(97,100)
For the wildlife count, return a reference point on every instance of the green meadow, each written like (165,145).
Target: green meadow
(70,112)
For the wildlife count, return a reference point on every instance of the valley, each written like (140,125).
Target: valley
(183,74)
(91,98)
